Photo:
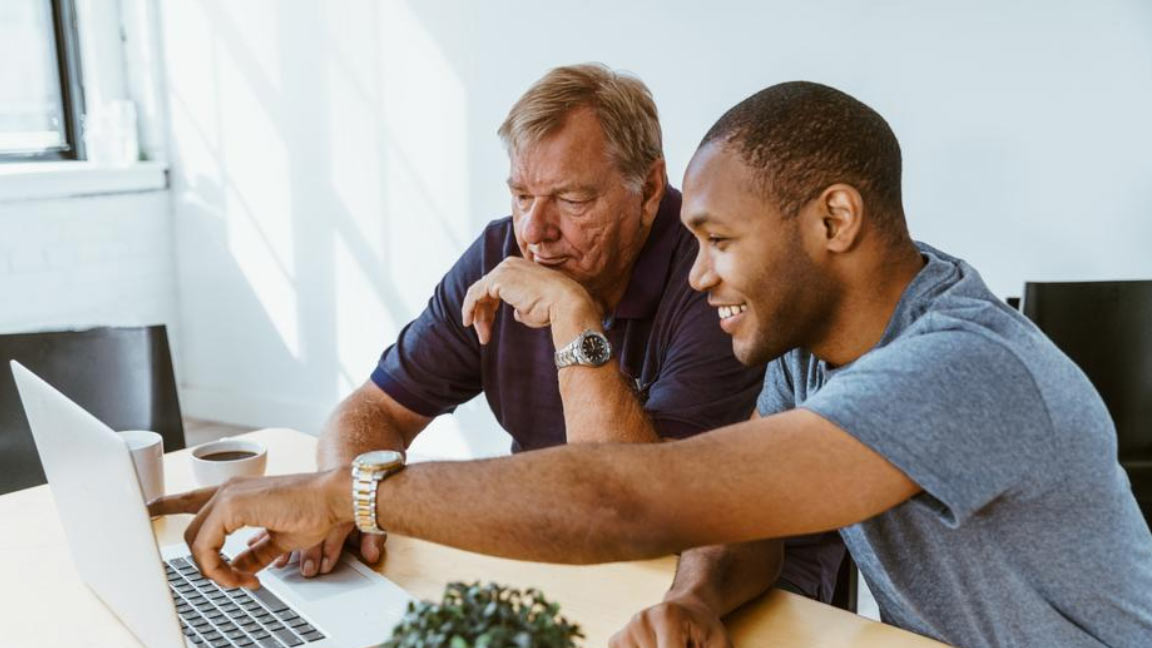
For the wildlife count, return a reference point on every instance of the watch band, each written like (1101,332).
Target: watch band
(571,353)
(364,484)
(366,478)
(567,356)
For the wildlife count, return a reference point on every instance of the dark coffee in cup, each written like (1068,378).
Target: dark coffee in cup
(218,461)
(228,455)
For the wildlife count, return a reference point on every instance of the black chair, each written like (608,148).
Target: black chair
(1106,328)
(123,376)
(847,585)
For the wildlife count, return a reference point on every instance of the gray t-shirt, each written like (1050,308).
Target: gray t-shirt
(1026,532)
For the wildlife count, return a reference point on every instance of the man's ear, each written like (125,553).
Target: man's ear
(653,191)
(841,208)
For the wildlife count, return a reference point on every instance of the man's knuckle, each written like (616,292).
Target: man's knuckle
(659,613)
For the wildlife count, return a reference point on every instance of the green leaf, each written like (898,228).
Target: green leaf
(471,615)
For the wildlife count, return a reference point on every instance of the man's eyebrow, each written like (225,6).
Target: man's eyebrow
(698,220)
(578,188)
(562,189)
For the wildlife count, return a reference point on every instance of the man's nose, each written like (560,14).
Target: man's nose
(540,222)
(702,277)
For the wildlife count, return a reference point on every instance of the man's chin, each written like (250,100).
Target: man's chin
(752,355)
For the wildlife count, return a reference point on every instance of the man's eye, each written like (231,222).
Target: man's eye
(523,199)
(717,241)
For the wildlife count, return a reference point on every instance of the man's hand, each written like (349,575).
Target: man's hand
(297,511)
(675,622)
(321,558)
(539,296)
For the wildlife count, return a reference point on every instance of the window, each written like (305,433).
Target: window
(40,92)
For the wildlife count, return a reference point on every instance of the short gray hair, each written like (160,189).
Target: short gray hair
(622,103)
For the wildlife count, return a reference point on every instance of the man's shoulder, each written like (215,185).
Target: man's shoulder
(499,236)
(498,227)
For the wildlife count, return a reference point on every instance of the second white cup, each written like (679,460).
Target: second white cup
(147,450)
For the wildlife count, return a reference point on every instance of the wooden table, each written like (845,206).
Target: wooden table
(43,602)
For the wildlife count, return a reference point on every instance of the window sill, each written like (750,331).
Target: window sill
(45,180)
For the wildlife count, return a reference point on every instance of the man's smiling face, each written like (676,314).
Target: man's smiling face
(753,262)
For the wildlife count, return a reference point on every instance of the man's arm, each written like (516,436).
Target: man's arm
(368,419)
(724,577)
(710,582)
(586,503)
(599,403)
(603,502)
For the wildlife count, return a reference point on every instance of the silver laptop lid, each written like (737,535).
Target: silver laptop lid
(101,508)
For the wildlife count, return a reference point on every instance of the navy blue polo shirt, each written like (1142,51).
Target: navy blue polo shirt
(665,339)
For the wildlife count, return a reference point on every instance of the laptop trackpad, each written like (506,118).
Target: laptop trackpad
(340,581)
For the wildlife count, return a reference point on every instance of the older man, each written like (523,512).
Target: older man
(969,464)
(585,326)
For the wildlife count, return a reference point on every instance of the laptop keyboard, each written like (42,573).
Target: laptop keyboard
(217,617)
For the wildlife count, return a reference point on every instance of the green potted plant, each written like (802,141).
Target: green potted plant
(484,616)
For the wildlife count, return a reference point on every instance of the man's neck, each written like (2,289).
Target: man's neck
(867,306)
(609,295)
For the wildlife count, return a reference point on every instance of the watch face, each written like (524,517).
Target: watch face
(380,458)
(594,348)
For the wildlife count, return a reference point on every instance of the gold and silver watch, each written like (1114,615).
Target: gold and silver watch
(368,470)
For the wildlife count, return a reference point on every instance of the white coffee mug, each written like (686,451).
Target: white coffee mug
(216,462)
(147,450)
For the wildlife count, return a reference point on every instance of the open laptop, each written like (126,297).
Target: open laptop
(158,592)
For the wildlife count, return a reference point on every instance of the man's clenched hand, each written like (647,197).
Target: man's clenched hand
(675,622)
(538,296)
(297,511)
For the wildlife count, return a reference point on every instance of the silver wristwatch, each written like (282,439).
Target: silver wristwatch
(368,470)
(589,349)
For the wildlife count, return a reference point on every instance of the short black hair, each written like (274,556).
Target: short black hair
(801,137)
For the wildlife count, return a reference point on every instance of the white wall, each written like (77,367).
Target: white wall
(91,261)
(331,159)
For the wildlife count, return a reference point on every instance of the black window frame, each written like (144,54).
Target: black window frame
(71,89)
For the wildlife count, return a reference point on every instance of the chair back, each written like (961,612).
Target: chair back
(122,376)
(1106,328)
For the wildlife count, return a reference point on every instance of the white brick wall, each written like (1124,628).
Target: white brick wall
(88,261)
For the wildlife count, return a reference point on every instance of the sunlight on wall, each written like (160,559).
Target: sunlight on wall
(260,233)
(361,319)
(425,108)
(234,21)
(354,129)
(354,159)
(192,101)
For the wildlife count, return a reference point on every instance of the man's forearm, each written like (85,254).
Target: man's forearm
(724,577)
(604,502)
(600,406)
(599,403)
(576,518)
(346,436)
(358,425)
